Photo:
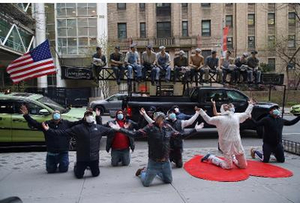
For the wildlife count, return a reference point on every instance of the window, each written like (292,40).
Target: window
(229,42)
(228,4)
(163,29)
(142,6)
(163,5)
(292,19)
(163,9)
(216,95)
(121,6)
(271,41)
(185,32)
(236,96)
(229,21)
(6,107)
(205,5)
(251,19)
(184,5)
(271,64)
(291,41)
(271,19)
(142,30)
(251,42)
(205,27)
(122,31)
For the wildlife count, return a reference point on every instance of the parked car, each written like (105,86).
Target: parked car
(112,103)
(295,110)
(15,129)
(201,97)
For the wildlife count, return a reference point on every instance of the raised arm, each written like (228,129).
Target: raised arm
(247,113)
(292,122)
(30,120)
(98,117)
(68,132)
(186,123)
(215,112)
(147,118)
(130,133)
(210,120)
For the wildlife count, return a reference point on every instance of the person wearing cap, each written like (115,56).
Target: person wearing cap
(212,62)
(57,158)
(181,65)
(142,120)
(272,138)
(197,65)
(149,63)
(224,65)
(120,144)
(99,61)
(241,64)
(253,63)
(88,135)
(132,61)
(163,61)
(158,135)
(180,115)
(117,64)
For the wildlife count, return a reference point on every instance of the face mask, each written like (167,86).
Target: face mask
(90,119)
(120,116)
(172,116)
(56,116)
(276,112)
(176,110)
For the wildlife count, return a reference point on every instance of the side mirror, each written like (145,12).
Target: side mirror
(44,112)
(112,113)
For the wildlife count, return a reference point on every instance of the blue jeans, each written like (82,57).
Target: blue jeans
(162,169)
(57,159)
(120,156)
(167,68)
(134,67)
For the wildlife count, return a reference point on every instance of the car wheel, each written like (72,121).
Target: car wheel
(101,109)
(72,144)
(260,131)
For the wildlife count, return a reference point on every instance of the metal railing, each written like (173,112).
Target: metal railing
(291,146)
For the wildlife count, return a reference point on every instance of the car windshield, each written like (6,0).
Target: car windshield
(52,104)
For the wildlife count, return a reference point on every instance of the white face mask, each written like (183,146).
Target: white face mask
(90,119)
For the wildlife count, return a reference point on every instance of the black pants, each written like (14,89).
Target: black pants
(268,149)
(80,167)
(176,157)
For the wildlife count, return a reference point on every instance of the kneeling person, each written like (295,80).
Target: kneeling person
(88,136)
(119,143)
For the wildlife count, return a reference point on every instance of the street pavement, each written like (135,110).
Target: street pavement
(24,175)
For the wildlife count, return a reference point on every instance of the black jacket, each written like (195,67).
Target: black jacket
(273,128)
(176,141)
(54,144)
(158,139)
(110,138)
(88,137)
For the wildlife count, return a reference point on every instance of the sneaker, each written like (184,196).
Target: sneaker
(138,172)
(252,152)
(205,158)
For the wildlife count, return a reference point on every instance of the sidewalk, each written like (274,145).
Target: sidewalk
(24,175)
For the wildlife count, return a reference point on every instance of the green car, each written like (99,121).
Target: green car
(15,129)
(295,110)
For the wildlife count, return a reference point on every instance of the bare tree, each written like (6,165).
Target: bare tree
(290,57)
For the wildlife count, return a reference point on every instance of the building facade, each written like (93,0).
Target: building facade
(186,26)
(16,36)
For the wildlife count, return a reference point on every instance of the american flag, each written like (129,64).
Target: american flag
(36,63)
